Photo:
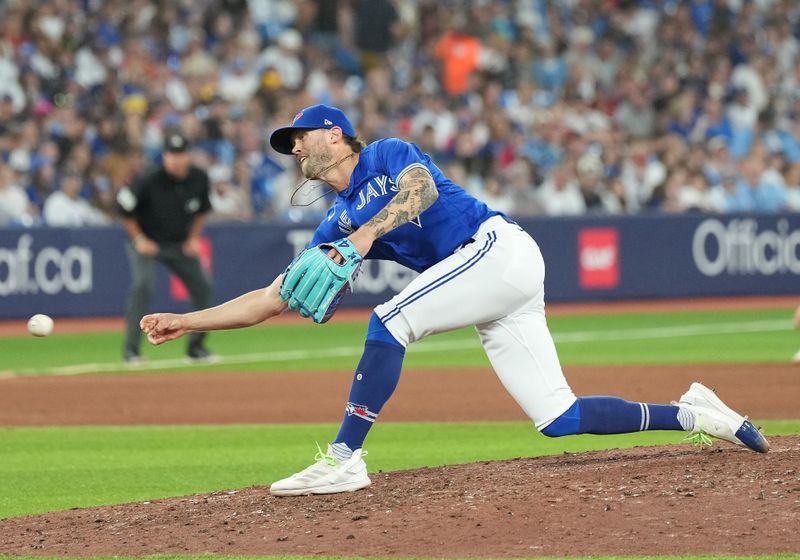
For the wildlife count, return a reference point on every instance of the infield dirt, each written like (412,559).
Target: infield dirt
(644,501)
(649,500)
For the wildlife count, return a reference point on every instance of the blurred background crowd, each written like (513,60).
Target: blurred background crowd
(539,107)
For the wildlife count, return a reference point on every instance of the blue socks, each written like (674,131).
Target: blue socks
(378,372)
(612,415)
(374,382)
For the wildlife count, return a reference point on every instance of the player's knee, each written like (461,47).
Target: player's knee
(569,423)
(378,331)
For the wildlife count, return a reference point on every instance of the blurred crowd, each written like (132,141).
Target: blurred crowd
(539,107)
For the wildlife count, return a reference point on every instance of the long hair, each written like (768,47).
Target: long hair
(356,143)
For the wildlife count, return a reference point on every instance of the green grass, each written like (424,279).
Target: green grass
(48,469)
(54,468)
(633,338)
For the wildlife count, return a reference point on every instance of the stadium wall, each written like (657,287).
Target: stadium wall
(84,272)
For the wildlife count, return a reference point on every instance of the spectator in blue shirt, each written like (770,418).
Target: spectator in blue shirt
(550,70)
(753,193)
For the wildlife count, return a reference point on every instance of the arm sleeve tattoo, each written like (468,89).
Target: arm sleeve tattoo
(417,193)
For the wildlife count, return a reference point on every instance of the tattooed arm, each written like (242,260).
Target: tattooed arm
(417,193)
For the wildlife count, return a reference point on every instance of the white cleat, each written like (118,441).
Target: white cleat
(714,418)
(327,475)
(796,358)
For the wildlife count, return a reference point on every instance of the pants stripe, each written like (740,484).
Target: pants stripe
(442,280)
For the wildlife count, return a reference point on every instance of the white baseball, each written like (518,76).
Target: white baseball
(40,325)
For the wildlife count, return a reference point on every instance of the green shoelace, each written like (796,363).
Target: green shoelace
(700,437)
(322,456)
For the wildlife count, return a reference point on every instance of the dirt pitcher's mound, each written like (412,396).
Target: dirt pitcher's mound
(648,500)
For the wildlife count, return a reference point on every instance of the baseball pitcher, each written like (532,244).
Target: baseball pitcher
(477,267)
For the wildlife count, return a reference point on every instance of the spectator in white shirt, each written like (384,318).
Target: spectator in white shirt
(15,207)
(228,201)
(238,83)
(66,208)
(596,195)
(642,171)
(791,178)
(695,194)
(560,194)
(284,58)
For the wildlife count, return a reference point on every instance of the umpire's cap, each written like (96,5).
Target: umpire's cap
(175,142)
(316,116)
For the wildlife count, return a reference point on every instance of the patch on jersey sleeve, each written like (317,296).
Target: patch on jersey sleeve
(344,223)
(127,200)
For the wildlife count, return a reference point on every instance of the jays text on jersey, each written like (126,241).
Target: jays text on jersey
(421,243)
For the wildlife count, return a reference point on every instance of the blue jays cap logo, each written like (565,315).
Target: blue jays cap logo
(297,116)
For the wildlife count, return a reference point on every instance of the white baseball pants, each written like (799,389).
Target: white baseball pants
(497,284)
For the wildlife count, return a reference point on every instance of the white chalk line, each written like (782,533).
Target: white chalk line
(430,345)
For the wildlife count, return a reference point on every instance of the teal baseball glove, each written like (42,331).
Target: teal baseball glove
(315,284)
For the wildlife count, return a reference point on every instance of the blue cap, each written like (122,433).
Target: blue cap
(316,116)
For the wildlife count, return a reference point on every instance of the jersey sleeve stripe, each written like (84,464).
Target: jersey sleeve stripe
(409,168)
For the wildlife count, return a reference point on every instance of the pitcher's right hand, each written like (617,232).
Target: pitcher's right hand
(162,327)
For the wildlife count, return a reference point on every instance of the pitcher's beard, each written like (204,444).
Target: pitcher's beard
(312,185)
(314,169)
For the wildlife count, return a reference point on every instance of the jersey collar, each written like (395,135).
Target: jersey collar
(355,179)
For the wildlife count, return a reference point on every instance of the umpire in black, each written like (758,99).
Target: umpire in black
(163,212)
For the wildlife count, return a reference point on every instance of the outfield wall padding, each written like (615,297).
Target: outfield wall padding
(84,272)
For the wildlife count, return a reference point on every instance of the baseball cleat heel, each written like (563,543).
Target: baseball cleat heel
(714,418)
(327,475)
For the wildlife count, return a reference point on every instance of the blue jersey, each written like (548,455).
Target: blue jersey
(428,238)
